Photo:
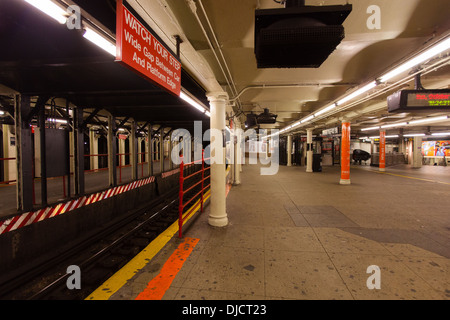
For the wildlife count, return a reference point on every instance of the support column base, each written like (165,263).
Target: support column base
(218,221)
(382,169)
(345,181)
(309,170)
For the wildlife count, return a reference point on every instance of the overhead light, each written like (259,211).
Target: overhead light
(428,54)
(51,9)
(208,113)
(57,120)
(441,134)
(307,119)
(193,103)
(370,129)
(2,113)
(394,125)
(295,124)
(357,93)
(428,120)
(378,137)
(414,135)
(100,41)
(330,107)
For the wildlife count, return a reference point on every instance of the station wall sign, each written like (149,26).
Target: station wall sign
(139,49)
(419,100)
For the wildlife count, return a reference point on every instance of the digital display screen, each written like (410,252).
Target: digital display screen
(419,100)
(428,100)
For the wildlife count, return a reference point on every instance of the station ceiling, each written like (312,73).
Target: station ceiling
(292,94)
(41,56)
(38,57)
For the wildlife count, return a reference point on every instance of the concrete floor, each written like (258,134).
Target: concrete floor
(303,236)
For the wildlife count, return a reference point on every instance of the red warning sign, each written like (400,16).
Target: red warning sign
(139,50)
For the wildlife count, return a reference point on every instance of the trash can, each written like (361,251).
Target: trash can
(317,162)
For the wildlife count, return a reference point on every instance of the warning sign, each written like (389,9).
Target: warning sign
(139,50)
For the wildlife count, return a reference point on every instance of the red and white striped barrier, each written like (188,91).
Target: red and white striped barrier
(28,218)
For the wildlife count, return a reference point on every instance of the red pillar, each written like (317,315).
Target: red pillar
(345,153)
(382,159)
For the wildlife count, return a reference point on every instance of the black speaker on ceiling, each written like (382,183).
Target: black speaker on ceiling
(298,36)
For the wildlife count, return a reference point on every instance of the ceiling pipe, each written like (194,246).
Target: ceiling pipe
(229,79)
(389,87)
(294,85)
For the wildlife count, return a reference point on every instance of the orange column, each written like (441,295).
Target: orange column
(382,159)
(345,153)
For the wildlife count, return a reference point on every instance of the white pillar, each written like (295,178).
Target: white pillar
(121,152)
(161,151)
(150,150)
(417,153)
(134,151)
(238,154)
(9,151)
(289,150)
(218,216)
(170,144)
(309,151)
(93,149)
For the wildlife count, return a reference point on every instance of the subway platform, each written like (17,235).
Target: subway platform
(298,235)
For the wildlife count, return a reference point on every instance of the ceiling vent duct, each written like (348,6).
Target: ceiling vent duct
(266,117)
(298,36)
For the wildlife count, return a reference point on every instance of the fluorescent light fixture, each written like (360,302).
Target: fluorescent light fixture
(2,113)
(57,120)
(193,103)
(441,134)
(363,138)
(100,41)
(394,125)
(357,93)
(208,113)
(428,54)
(392,136)
(307,119)
(330,107)
(51,9)
(295,124)
(429,120)
(370,129)
(414,135)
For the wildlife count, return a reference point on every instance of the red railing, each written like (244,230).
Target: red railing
(182,192)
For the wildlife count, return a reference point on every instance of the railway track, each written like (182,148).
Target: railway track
(99,257)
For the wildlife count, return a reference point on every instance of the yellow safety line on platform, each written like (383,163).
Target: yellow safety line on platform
(403,176)
(120,278)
